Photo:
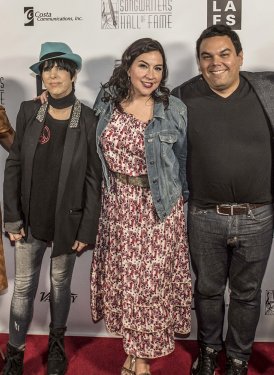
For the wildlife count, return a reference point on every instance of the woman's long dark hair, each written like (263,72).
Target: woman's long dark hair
(119,86)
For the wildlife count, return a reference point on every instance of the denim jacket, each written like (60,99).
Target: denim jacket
(165,151)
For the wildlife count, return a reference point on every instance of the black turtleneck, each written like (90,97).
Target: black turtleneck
(46,169)
(64,102)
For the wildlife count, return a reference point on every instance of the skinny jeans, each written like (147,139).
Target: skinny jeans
(29,254)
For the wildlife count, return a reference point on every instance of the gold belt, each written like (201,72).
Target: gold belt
(141,181)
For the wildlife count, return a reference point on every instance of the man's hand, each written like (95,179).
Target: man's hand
(43,97)
(17,236)
(78,246)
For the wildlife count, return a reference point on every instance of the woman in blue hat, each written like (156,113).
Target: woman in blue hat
(52,189)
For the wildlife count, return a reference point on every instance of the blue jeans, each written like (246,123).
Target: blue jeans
(234,248)
(28,260)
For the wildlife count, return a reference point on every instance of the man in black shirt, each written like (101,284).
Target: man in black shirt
(230,224)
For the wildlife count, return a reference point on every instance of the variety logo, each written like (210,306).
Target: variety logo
(45,297)
(34,16)
(2,90)
(269,302)
(137,14)
(225,12)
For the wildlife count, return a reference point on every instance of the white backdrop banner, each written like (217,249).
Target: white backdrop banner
(99,31)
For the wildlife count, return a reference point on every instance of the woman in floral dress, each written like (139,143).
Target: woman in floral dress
(140,278)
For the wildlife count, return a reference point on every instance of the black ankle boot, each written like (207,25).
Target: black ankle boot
(236,366)
(206,362)
(14,361)
(57,360)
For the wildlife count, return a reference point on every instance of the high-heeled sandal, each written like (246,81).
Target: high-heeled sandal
(143,373)
(130,370)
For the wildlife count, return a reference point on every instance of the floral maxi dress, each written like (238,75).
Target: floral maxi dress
(140,278)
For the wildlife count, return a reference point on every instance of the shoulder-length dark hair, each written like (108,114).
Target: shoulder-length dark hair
(118,88)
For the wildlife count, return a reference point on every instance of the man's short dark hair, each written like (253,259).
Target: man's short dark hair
(219,30)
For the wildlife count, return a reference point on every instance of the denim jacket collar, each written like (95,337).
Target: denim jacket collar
(159,110)
(100,106)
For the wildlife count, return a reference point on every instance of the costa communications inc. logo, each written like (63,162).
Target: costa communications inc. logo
(33,17)
(29,16)
(226,12)
(137,14)
(269,302)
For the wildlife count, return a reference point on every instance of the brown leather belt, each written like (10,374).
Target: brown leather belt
(236,209)
(141,181)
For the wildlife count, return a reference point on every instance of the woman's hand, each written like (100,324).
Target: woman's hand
(43,97)
(17,236)
(78,246)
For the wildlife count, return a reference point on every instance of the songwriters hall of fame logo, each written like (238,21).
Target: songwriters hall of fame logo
(110,14)
(138,14)
(269,302)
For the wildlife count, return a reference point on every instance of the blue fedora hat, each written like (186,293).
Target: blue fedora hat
(54,50)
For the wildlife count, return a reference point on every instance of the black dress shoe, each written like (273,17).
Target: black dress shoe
(235,366)
(206,362)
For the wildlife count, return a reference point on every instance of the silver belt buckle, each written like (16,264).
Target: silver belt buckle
(231,206)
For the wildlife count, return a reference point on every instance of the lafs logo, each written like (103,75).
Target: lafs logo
(29,16)
(225,12)
(269,302)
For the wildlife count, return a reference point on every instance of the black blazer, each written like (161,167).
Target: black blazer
(79,187)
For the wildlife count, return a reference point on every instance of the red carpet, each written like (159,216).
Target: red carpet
(104,356)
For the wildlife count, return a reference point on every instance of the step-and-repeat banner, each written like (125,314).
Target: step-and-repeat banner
(99,31)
